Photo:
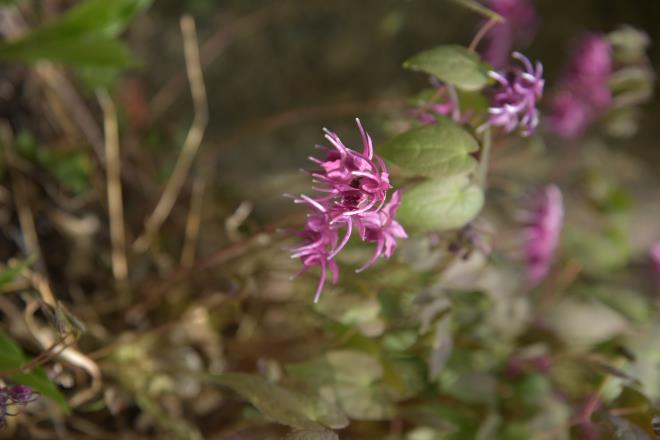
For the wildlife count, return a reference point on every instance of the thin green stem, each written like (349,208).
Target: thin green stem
(485,158)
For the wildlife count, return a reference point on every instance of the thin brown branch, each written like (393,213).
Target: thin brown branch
(481,34)
(311,113)
(210,50)
(191,143)
(113,176)
(25,216)
(192,224)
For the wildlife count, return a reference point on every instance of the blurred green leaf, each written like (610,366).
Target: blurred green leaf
(532,389)
(647,359)
(351,379)
(404,377)
(12,357)
(354,310)
(599,252)
(629,303)
(454,421)
(621,429)
(437,150)
(84,36)
(312,435)
(96,51)
(440,204)
(399,340)
(441,347)
(584,323)
(11,273)
(71,168)
(477,7)
(452,64)
(281,405)
(629,44)
(99,17)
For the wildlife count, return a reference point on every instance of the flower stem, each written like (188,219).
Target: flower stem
(481,33)
(484,159)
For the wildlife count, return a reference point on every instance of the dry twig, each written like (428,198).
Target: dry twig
(113,175)
(190,145)
(193,223)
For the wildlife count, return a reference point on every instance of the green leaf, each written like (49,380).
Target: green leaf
(599,251)
(438,150)
(631,304)
(440,204)
(312,435)
(477,7)
(452,64)
(12,357)
(9,274)
(100,17)
(281,405)
(84,36)
(97,51)
(350,379)
(584,323)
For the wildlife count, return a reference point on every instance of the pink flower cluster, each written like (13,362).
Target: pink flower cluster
(352,195)
(543,231)
(584,90)
(514,97)
(519,27)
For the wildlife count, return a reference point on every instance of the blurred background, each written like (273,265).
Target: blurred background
(125,344)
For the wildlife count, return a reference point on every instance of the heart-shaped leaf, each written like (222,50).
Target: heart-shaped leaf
(282,405)
(452,64)
(440,204)
(438,150)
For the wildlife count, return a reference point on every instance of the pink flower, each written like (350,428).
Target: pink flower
(352,189)
(584,90)
(514,97)
(519,27)
(380,227)
(320,240)
(355,182)
(543,231)
(570,115)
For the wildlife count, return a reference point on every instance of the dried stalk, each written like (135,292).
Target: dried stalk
(113,176)
(190,145)
(193,223)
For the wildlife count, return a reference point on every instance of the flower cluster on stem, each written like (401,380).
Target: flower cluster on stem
(514,97)
(351,195)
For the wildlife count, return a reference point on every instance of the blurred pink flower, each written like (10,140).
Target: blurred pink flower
(543,231)
(518,29)
(584,89)
(570,115)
